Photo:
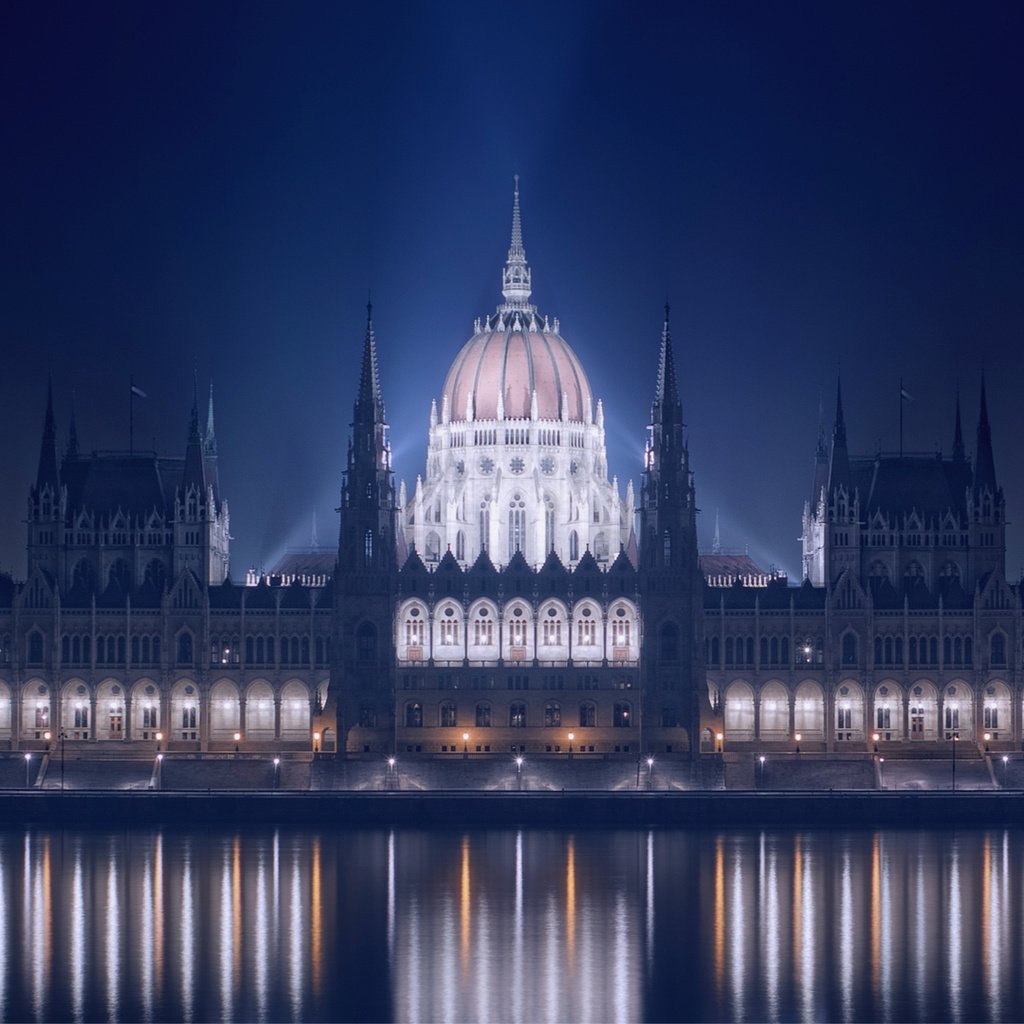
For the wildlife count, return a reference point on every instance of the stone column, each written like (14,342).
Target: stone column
(757,717)
(127,733)
(906,716)
(830,719)
(277,717)
(93,707)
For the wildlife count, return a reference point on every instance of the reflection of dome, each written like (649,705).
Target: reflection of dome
(513,364)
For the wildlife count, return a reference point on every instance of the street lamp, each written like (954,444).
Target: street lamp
(519,773)
(955,738)
(876,738)
(28,762)
(1006,761)
(159,740)
(465,746)
(988,737)
(797,737)
(650,771)
(720,737)
(238,736)
(62,737)
(316,742)
(277,772)
(761,761)
(572,736)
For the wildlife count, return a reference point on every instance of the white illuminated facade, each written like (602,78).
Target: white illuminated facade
(516,458)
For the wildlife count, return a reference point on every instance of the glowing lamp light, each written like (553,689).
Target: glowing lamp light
(316,736)
(797,737)
(465,737)
(762,759)
(277,761)
(1005,759)
(159,757)
(159,736)
(519,762)
(238,736)
(719,736)
(650,762)
(988,736)
(46,736)
(391,762)
(875,737)
(572,736)
(28,757)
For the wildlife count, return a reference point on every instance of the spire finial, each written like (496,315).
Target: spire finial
(515,278)
(667,389)
(716,544)
(958,434)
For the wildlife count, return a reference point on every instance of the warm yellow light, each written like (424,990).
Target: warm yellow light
(465,736)
(238,736)
(797,737)
(46,735)
(159,736)
(719,736)
(572,736)
(316,736)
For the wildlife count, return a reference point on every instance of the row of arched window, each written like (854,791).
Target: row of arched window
(268,650)
(486,715)
(77,649)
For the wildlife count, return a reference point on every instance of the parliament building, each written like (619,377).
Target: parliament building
(517,601)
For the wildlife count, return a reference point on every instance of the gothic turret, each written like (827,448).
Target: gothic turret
(959,454)
(984,462)
(839,462)
(670,580)
(209,446)
(47,474)
(515,278)
(359,704)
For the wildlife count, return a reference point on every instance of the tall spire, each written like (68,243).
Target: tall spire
(716,544)
(839,465)
(47,472)
(958,434)
(194,474)
(667,393)
(515,278)
(210,437)
(984,462)
(369,404)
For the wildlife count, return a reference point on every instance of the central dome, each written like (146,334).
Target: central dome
(501,368)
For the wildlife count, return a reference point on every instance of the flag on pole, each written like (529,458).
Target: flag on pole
(138,392)
(905,394)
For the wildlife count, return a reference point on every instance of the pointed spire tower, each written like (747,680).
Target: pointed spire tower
(210,450)
(515,278)
(365,580)
(669,569)
(194,475)
(839,463)
(984,462)
(47,473)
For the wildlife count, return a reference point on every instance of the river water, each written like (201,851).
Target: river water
(273,924)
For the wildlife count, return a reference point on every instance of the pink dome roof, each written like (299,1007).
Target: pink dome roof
(515,363)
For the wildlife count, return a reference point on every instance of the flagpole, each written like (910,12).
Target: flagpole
(901,417)
(131,415)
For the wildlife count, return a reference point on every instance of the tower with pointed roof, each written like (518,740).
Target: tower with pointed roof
(46,499)
(987,506)
(362,660)
(669,572)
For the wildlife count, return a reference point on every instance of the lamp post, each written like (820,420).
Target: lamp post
(875,737)
(720,738)
(572,736)
(955,738)
(238,736)
(28,763)
(988,737)
(159,740)
(389,780)
(797,737)
(63,736)
(760,765)
(519,773)
(465,746)
(650,773)
(1006,761)
(316,743)
(277,773)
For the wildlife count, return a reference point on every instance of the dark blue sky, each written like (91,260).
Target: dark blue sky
(217,186)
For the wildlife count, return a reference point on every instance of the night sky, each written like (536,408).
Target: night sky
(815,188)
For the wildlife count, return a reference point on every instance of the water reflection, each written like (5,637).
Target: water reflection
(525,926)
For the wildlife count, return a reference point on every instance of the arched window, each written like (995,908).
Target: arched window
(729,653)
(517,715)
(484,524)
(460,546)
(666,548)
(366,643)
(670,643)
(586,628)
(483,716)
(413,716)
(574,546)
(516,525)
(433,547)
(368,548)
(483,628)
(998,650)
(414,628)
(552,715)
(588,715)
(549,526)
(184,649)
(449,718)
(621,715)
(849,649)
